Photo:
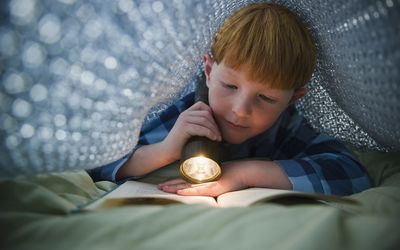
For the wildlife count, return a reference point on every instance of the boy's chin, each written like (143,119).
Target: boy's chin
(234,140)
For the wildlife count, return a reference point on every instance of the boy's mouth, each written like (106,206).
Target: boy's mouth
(235,125)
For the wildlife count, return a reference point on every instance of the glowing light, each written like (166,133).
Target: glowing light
(201,169)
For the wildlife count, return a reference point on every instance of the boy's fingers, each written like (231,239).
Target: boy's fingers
(202,117)
(197,130)
(207,189)
(191,191)
(175,187)
(199,123)
(199,106)
(172,182)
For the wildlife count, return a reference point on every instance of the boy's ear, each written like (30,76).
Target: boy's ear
(208,62)
(299,93)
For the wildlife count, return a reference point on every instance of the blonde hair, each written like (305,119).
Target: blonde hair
(270,42)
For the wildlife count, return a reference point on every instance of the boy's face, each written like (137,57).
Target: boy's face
(243,108)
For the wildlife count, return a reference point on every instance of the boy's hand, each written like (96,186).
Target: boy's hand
(236,175)
(195,121)
(231,180)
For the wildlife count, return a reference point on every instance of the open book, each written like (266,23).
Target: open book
(134,192)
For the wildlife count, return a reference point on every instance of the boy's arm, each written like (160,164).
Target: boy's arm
(152,132)
(305,161)
(315,162)
(329,172)
(150,136)
(236,175)
(145,160)
(326,167)
(197,120)
(142,160)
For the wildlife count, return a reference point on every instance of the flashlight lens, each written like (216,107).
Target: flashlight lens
(201,168)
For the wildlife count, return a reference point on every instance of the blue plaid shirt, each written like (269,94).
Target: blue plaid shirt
(314,162)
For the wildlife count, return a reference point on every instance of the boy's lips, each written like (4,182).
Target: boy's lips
(235,125)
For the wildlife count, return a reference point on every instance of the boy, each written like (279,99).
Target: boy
(260,62)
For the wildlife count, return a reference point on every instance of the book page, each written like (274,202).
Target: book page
(134,192)
(249,196)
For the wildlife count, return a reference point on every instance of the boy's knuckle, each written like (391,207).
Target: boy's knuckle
(203,120)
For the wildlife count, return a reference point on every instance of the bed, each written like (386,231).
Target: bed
(43,212)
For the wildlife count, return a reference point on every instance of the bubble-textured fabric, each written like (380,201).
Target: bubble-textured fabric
(79,77)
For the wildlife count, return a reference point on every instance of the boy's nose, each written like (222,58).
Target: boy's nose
(241,107)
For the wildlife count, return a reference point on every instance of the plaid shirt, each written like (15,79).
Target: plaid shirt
(313,162)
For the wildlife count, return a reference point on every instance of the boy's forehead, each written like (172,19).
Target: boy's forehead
(243,75)
(242,72)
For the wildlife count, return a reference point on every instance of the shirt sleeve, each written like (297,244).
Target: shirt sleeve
(316,162)
(153,131)
(109,171)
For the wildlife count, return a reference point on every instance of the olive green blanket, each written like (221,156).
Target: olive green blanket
(40,212)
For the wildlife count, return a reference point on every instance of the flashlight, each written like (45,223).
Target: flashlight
(200,155)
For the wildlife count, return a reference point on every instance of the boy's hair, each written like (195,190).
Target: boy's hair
(270,42)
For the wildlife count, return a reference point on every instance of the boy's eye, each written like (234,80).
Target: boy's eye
(267,99)
(230,86)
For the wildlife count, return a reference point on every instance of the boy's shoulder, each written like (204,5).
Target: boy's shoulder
(185,101)
(290,117)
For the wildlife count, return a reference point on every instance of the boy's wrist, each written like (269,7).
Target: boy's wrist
(258,173)
(238,172)
(169,151)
